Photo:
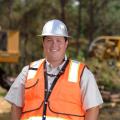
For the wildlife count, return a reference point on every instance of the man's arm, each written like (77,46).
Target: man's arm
(15,112)
(92,113)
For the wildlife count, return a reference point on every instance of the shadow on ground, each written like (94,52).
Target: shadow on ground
(5,116)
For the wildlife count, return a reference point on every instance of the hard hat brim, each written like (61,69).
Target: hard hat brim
(54,35)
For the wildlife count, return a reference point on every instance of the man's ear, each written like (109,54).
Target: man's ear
(66,44)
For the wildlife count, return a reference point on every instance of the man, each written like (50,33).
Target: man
(55,88)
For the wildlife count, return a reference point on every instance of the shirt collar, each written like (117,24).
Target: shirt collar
(49,66)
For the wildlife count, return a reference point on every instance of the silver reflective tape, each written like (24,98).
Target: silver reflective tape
(47,118)
(73,72)
(31,74)
(36,64)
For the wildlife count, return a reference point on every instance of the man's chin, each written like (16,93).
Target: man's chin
(54,59)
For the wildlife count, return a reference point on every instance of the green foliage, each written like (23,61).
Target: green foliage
(109,19)
(2,92)
(105,75)
(29,16)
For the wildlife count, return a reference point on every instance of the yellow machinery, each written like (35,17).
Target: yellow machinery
(106,47)
(9,53)
(9,46)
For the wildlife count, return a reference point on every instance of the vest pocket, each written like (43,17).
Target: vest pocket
(66,100)
(33,98)
(68,110)
(69,92)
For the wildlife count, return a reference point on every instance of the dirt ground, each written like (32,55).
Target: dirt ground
(107,113)
(4,109)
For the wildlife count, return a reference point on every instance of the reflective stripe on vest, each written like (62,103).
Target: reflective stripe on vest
(73,73)
(47,118)
(31,72)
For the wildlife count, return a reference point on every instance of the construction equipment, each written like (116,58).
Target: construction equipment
(9,53)
(106,48)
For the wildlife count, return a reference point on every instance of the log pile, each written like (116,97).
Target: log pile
(111,99)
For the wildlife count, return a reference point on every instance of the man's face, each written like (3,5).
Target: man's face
(54,48)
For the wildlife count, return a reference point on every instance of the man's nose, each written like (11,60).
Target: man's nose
(54,43)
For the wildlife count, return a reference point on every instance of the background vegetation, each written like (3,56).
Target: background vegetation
(86,20)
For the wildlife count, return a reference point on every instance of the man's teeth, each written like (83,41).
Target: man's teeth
(54,50)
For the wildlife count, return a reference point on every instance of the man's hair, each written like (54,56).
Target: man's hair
(64,38)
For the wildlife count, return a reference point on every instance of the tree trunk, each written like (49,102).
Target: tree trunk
(91,24)
(63,3)
(79,28)
(91,21)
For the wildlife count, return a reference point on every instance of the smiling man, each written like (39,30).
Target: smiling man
(54,49)
(55,88)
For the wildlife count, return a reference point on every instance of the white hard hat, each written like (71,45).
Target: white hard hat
(54,28)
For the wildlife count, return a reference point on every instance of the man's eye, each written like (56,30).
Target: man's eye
(49,40)
(59,41)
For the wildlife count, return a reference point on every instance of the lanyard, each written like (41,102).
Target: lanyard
(48,93)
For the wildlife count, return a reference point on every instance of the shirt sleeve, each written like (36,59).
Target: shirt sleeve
(91,96)
(16,92)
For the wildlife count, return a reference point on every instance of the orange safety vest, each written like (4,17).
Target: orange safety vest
(64,102)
